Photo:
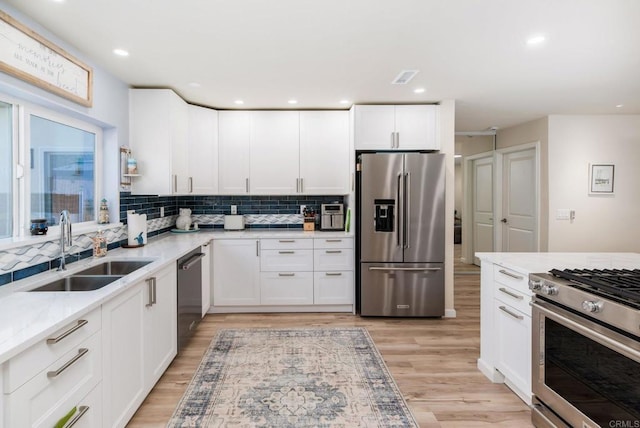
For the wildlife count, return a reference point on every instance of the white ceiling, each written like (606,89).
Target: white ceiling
(322,51)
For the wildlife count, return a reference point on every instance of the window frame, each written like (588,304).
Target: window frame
(21,173)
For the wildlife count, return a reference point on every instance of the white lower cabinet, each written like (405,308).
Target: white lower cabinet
(286,288)
(333,265)
(160,324)
(513,338)
(123,350)
(236,272)
(207,266)
(333,288)
(140,341)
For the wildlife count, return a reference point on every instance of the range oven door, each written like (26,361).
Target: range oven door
(586,373)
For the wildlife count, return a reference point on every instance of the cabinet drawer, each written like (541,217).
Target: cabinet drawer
(511,278)
(513,298)
(333,288)
(286,244)
(333,259)
(332,243)
(48,396)
(286,260)
(23,367)
(286,288)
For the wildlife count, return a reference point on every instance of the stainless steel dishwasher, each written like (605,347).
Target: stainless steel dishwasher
(189,295)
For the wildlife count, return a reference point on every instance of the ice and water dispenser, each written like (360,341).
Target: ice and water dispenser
(384,215)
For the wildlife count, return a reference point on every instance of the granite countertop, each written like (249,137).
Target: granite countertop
(543,262)
(27,318)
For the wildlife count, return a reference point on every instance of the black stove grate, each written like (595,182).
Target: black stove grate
(621,283)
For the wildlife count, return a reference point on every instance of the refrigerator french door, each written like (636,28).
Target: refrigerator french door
(401,239)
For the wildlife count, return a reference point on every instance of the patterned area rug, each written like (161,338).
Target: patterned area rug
(310,377)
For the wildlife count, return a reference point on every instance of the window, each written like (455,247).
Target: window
(62,160)
(58,162)
(6,169)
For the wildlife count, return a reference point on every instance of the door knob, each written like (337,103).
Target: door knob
(504,220)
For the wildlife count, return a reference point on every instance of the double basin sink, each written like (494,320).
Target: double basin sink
(95,277)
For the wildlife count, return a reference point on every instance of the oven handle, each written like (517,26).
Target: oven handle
(610,343)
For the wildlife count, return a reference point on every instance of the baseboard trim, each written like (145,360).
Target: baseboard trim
(450,313)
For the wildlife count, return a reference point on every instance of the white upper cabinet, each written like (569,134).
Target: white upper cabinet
(324,153)
(274,153)
(158,139)
(234,137)
(399,127)
(202,151)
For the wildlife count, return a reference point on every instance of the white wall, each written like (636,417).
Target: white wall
(110,108)
(602,223)
(447,139)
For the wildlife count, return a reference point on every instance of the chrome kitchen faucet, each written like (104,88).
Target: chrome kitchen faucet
(65,236)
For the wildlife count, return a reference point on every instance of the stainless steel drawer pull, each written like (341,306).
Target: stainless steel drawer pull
(509,293)
(512,275)
(333,240)
(286,240)
(80,324)
(286,274)
(390,269)
(507,311)
(333,273)
(286,252)
(68,364)
(81,411)
(333,251)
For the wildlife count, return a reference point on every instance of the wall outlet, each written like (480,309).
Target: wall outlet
(234,209)
(302,207)
(161,211)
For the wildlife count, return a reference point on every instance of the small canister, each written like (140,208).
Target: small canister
(39,226)
(99,245)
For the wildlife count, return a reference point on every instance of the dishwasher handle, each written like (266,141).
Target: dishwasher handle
(191,261)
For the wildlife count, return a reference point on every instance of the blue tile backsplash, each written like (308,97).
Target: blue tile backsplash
(261,212)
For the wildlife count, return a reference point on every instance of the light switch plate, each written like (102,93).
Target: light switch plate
(563,214)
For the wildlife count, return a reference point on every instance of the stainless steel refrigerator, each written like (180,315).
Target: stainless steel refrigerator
(401,201)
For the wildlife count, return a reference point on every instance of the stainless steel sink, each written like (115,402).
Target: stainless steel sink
(115,267)
(79,283)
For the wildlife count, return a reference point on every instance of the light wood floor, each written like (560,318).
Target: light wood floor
(432,360)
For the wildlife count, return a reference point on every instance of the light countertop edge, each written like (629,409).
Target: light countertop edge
(543,262)
(27,318)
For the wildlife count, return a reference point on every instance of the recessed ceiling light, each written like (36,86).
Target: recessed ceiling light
(194,84)
(344,101)
(293,101)
(239,102)
(457,156)
(418,90)
(535,40)
(120,52)
(620,106)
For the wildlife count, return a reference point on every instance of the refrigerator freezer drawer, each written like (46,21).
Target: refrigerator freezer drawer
(402,289)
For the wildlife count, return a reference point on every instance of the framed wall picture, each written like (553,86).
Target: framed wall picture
(601,178)
(30,57)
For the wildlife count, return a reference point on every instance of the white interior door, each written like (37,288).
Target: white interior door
(482,206)
(519,202)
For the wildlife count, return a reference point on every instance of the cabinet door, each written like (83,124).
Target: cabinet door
(158,136)
(160,323)
(333,288)
(234,135)
(207,264)
(179,131)
(203,151)
(236,272)
(286,288)
(374,127)
(513,345)
(123,356)
(416,127)
(324,152)
(274,153)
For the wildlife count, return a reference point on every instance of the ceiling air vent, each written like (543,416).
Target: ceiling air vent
(404,77)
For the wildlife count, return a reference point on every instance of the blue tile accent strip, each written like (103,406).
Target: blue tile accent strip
(31,270)
(5,278)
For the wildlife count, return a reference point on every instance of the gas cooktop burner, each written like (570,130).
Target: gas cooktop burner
(623,284)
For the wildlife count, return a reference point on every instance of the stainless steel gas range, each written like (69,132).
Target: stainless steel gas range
(586,348)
